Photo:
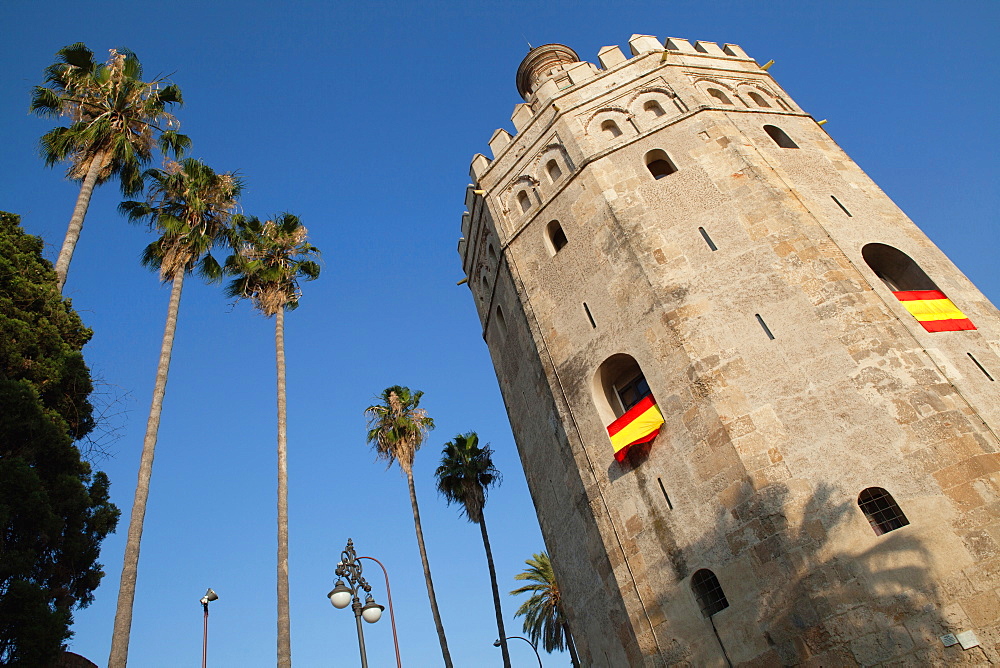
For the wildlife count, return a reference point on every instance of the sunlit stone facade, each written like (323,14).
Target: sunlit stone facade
(673,217)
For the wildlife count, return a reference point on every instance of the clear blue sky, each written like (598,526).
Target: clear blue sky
(361,119)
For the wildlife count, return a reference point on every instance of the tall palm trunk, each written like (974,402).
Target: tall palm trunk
(496,592)
(284,630)
(126,590)
(427,571)
(76,221)
(571,644)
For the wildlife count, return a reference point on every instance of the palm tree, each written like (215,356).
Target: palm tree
(268,261)
(396,429)
(114,119)
(543,614)
(189,204)
(464,477)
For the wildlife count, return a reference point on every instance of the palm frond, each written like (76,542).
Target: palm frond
(398,426)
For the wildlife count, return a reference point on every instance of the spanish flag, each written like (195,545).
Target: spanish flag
(934,311)
(640,424)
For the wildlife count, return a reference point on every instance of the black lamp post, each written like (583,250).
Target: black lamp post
(209,596)
(349,568)
(537,655)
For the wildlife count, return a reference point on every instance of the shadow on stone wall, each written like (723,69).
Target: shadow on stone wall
(818,606)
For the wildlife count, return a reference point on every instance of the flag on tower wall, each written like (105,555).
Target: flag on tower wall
(934,311)
(639,424)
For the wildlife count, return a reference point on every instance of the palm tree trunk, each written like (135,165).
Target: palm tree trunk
(427,572)
(572,646)
(126,590)
(284,624)
(496,592)
(76,222)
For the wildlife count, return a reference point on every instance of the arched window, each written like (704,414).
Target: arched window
(485,287)
(625,404)
(759,100)
(881,510)
(779,137)
(719,96)
(555,237)
(653,107)
(552,167)
(896,269)
(492,253)
(524,201)
(611,129)
(915,289)
(708,591)
(619,385)
(659,164)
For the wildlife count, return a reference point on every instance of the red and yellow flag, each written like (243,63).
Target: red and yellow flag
(640,424)
(934,311)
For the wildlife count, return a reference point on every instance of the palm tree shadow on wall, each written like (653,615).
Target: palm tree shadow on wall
(848,607)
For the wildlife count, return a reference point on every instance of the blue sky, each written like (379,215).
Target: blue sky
(361,119)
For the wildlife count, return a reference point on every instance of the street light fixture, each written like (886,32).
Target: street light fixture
(209,596)
(537,655)
(342,595)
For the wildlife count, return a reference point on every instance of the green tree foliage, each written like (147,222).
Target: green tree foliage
(543,615)
(54,513)
(189,204)
(268,260)
(397,428)
(115,120)
(464,477)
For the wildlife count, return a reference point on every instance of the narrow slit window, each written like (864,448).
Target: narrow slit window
(881,510)
(524,201)
(759,100)
(611,129)
(589,316)
(764,326)
(779,136)
(501,322)
(708,239)
(664,490)
(554,171)
(719,96)
(659,164)
(708,591)
(653,107)
(842,207)
(981,367)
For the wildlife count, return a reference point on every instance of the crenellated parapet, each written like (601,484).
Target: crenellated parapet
(575,111)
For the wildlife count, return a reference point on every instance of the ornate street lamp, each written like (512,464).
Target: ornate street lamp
(342,595)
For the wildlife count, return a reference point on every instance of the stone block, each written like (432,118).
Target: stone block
(609,56)
(639,44)
(678,44)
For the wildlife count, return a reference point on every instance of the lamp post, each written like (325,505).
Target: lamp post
(537,656)
(341,596)
(209,596)
(392,615)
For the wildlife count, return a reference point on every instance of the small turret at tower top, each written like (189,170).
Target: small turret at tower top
(541,64)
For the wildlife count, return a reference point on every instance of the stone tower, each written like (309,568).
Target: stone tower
(671,228)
